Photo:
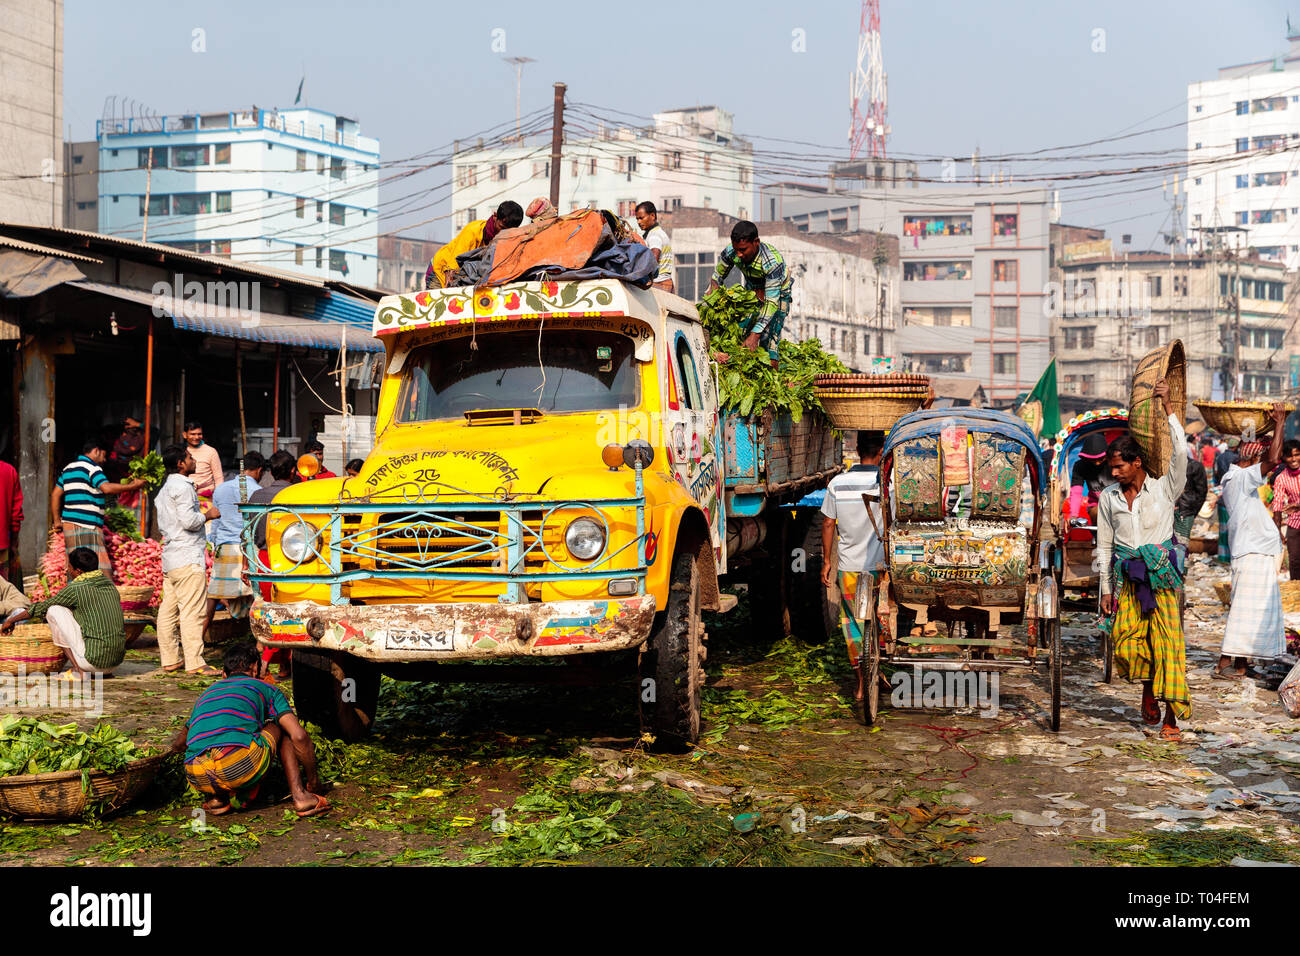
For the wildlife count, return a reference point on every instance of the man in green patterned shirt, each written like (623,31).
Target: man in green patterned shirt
(766,276)
(85,617)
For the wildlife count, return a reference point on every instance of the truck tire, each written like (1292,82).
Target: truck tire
(672,661)
(813,617)
(319,693)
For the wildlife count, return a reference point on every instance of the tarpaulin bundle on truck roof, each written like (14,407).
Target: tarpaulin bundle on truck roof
(580,245)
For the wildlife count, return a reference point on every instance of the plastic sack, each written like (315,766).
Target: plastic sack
(1289,692)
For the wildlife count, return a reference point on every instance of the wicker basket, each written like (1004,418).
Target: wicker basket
(1146,417)
(1224,590)
(868,411)
(134,599)
(29,647)
(59,796)
(1232,418)
(1290,596)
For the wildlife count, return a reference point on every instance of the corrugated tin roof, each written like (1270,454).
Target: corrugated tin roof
(11,243)
(337,307)
(247,325)
(216,263)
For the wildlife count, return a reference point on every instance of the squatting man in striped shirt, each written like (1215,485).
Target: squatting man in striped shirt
(85,618)
(236,726)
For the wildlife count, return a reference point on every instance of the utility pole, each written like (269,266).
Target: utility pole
(148,180)
(518,63)
(557,138)
(1236,324)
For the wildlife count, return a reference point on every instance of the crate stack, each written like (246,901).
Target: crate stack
(360,439)
(856,401)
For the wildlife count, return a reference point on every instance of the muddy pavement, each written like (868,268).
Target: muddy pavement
(785,774)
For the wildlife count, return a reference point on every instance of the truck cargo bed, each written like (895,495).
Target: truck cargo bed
(772,454)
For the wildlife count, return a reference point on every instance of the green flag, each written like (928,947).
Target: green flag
(1045,394)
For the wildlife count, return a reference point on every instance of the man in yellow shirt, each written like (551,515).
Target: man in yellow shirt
(476,234)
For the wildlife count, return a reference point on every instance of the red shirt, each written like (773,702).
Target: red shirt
(11,504)
(1207,456)
(1286,491)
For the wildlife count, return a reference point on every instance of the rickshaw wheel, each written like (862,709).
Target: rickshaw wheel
(871,673)
(1051,628)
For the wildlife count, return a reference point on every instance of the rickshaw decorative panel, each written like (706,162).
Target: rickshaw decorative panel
(916,481)
(999,465)
(942,565)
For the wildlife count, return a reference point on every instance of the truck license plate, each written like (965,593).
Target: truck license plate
(405,639)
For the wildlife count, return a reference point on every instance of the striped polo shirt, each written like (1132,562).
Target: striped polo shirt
(96,606)
(231,712)
(82,501)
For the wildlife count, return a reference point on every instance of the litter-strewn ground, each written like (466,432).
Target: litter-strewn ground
(786,774)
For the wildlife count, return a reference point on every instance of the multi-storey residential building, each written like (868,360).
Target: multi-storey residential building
(974,262)
(689,157)
(846,287)
(81,186)
(403,261)
(1111,309)
(297,189)
(1243,130)
(31,111)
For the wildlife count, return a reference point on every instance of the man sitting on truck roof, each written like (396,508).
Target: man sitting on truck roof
(478,233)
(766,276)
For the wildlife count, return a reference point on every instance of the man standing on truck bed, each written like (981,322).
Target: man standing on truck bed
(766,276)
(860,549)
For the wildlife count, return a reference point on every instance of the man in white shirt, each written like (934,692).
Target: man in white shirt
(1254,627)
(184,566)
(647,217)
(1135,527)
(860,548)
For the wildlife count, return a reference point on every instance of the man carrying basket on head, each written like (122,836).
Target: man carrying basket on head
(1138,551)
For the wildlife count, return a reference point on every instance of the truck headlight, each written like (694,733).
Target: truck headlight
(585,538)
(296,542)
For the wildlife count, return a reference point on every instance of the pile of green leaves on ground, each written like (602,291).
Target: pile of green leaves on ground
(150,467)
(747,381)
(29,745)
(123,521)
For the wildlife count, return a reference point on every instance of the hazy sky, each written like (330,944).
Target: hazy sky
(1008,76)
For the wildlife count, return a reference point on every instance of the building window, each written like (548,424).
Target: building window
(502,172)
(1005,316)
(1270,142)
(1198,146)
(575,168)
(183,156)
(1243,144)
(1243,107)
(744,175)
(1268,104)
(939,315)
(1080,384)
(338,169)
(302,164)
(1263,216)
(693,273)
(467,176)
(1153,286)
(337,214)
(707,160)
(938,362)
(320,163)
(338,261)
(222,202)
(1006,270)
(542,169)
(669,203)
(1180,285)
(923,226)
(302,208)
(1198,107)
(1269,179)
(320,255)
(1004,363)
(936,271)
(221,247)
(191,204)
(297,252)
(1081,338)
(592,169)
(1243,181)
(158,205)
(1005,224)
(142,157)
(626,208)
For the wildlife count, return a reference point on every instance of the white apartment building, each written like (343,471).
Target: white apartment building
(1243,160)
(31,112)
(974,269)
(295,189)
(846,287)
(689,157)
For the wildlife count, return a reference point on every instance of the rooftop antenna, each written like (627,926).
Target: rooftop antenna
(867,130)
(518,63)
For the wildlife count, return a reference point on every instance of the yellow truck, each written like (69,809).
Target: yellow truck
(551,477)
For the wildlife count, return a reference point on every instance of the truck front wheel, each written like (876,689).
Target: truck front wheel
(671,665)
(337,691)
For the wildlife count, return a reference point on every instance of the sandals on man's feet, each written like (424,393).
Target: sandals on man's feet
(1171,734)
(1150,715)
(1226,673)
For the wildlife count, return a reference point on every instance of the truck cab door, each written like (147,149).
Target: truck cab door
(693,432)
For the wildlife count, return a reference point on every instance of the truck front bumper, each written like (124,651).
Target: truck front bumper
(464,631)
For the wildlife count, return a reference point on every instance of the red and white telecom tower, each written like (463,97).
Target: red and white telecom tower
(867,89)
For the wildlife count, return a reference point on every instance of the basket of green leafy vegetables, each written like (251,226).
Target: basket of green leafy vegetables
(57,772)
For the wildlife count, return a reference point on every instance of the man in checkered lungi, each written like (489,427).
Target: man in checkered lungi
(1254,627)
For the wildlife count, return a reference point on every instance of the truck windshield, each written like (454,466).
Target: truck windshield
(569,371)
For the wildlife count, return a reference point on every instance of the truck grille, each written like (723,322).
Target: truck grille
(473,541)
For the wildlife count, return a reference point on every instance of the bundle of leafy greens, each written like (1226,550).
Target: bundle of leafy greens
(124,522)
(149,467)
(29,745)
(747,381)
